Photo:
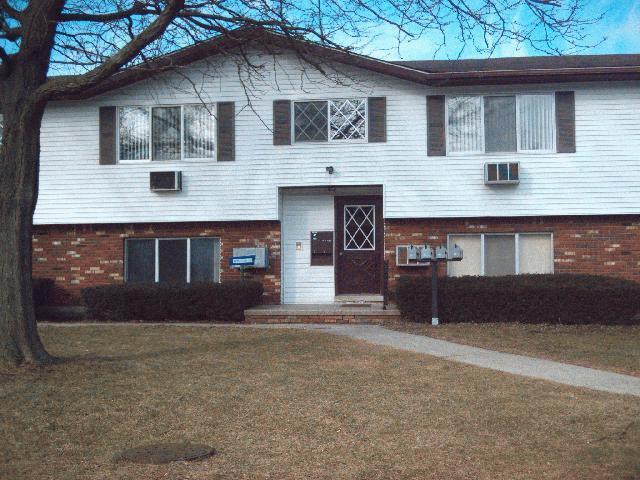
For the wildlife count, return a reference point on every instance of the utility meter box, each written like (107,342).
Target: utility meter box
(261,254)
(441,253)
(455,253)
(426,253)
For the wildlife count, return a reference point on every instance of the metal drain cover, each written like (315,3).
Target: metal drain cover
(160,453)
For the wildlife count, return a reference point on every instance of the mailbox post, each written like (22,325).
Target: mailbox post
(434,256)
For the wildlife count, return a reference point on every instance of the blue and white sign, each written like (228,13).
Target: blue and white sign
(242,261)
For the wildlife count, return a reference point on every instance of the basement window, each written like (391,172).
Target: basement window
(172,260)
(502,254)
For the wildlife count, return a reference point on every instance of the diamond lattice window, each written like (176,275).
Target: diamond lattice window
(310,121)
(359,227)
(347,119)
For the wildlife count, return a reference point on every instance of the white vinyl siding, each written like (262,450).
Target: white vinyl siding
(495,254)
(601,178)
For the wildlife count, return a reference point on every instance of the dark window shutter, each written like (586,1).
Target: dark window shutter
(377,111)
(436,144)
(107,134)
(565,122)
(226,131)
(282,122)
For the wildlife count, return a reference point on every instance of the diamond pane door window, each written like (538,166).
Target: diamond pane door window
(359,227)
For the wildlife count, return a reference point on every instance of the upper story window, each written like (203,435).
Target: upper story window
(501,123)
(330,120)
(166,133)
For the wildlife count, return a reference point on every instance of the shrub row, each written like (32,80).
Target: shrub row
(42,288)
(563,298)
(216,302)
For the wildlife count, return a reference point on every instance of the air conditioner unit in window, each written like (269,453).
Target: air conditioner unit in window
(507,173)
(165,181)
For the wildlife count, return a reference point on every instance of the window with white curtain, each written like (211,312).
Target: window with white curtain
(166,132)
(199,130)
(502,254)
(464,125)
(537,122)
(134,133)
(501,123)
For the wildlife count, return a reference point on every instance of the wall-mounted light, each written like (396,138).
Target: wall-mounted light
(298,246)
(329,170)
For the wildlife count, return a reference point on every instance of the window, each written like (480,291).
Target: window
(502,254)
(166,133)
(501,123)
(199,128)
(172,260)
(330,120)
(134,133)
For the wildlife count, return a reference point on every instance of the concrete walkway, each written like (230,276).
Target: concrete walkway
(480,357)
(504,362)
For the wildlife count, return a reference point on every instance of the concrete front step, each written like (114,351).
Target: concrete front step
(321,313)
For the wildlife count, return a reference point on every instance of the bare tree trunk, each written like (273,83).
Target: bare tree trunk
(22,107)
(19,164)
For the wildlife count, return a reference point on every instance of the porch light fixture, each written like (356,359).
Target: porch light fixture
(329,170)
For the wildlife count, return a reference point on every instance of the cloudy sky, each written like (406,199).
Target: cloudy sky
(617,32)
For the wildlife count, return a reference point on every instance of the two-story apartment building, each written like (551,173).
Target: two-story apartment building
(531,165)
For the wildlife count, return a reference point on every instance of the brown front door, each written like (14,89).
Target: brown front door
(359,244)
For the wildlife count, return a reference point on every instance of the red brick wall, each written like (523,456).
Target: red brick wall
(78,256)
(607,245)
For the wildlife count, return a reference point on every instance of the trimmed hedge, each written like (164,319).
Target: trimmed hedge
(42,288)
(215,302)
(562,298)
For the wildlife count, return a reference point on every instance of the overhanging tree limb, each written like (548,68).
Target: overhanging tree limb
(65,85)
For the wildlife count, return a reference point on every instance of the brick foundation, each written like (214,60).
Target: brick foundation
(607,245)
(79,256)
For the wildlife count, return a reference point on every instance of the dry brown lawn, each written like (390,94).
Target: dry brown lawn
(285,404)
(615,348)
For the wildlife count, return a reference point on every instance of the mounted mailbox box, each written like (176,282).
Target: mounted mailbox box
(260,253)
(321,248)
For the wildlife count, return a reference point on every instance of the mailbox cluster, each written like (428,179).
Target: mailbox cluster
(419,255)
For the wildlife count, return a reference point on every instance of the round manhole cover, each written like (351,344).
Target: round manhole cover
(160,453)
